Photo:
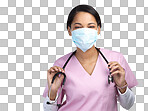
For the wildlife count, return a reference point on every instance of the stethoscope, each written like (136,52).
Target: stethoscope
(110,78)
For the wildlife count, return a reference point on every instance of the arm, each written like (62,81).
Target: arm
(126,99)
(49,107)
(53,107)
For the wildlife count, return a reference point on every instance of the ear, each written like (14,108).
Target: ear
(69,32)
(98,30)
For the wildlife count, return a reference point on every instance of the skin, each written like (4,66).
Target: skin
(87,59)
(80,21)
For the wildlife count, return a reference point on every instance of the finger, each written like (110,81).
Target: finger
(61,77)
(55,68)
(115,72)
(110,63)
(50,73)
(52,70)
(59,69)
(62,70)
(114,68)
(113,64)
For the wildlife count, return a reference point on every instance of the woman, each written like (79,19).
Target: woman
(86,87)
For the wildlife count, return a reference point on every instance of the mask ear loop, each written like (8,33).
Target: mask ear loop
(100,34)
(100,31)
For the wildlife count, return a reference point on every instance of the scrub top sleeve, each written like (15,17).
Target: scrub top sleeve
(129,75)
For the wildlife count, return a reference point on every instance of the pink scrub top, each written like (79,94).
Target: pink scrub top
(86,92)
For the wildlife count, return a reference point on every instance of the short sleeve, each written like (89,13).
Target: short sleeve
(45,93)
(129,75)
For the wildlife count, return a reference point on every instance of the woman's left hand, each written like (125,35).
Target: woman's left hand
(118,73)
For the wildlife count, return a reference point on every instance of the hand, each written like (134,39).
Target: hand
(118,73)
(57,82)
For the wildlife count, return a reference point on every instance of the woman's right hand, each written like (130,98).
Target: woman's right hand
(57,82)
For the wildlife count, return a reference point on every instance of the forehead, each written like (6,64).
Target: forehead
(84,17)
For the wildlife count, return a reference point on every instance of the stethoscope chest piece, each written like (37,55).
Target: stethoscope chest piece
(110,79)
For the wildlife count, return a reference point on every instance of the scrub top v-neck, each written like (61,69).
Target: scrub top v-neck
(82,68)
(86,92)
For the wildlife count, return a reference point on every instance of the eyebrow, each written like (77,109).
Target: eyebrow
(91,23)
(81,24)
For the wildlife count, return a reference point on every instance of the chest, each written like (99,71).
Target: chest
(79,84)
(89,67)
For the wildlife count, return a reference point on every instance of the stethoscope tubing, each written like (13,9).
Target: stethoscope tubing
(110,78)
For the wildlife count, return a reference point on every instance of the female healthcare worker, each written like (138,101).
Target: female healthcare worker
(86,86)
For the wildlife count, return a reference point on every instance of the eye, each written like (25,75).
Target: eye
(77,27)
(91,26)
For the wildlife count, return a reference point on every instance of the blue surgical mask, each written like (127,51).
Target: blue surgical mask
(84,38)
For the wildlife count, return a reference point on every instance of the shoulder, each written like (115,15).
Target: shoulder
(64,57)
(61,60)
(108,51)
(110,54)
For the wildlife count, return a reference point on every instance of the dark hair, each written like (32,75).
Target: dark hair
(83,8)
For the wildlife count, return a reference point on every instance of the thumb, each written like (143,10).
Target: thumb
(61,77)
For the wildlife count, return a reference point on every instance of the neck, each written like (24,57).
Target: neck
(90,54)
